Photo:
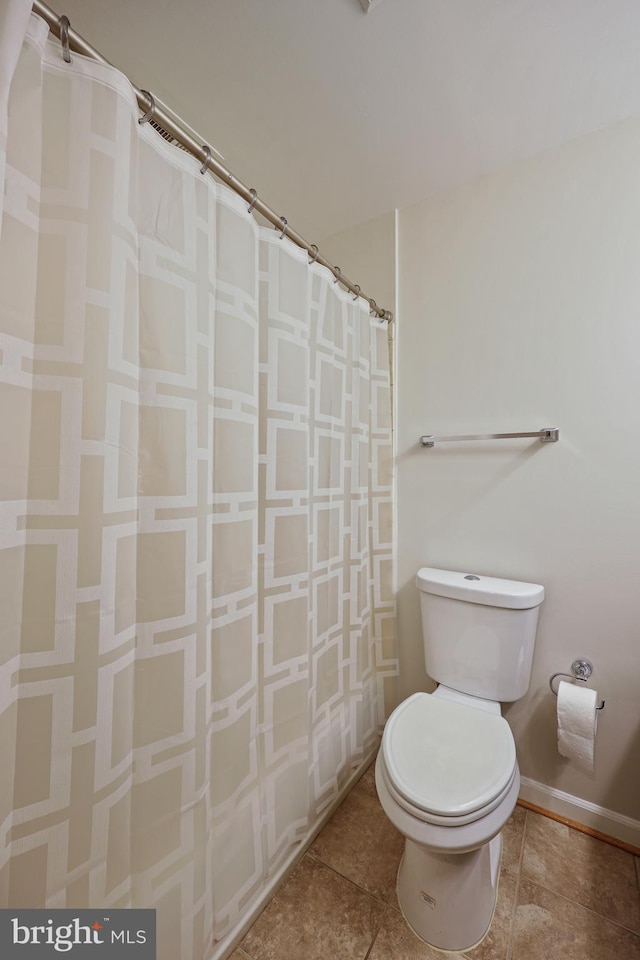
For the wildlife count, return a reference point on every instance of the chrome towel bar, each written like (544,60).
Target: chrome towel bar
(546,435)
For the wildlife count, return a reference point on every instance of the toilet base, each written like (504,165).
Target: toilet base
(448,900)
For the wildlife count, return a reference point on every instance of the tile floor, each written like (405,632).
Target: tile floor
(562,896)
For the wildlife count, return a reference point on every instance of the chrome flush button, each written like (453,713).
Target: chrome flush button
(471,576)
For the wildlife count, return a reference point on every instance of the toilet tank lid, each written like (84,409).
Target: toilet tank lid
(492,591)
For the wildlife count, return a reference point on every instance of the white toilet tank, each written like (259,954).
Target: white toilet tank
(479,632)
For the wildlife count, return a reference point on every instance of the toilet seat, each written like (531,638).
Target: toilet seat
(448,822)
(446,762)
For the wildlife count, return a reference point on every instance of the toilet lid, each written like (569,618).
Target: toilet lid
(447,758)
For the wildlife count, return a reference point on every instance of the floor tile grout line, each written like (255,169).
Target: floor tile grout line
(383,903)
(583,906)
(512,919)
(387,905)
(375,936)
(514,903)
(555,892)
(576,903)
(524,840)
(337,873)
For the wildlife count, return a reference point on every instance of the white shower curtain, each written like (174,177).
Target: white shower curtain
(197,619)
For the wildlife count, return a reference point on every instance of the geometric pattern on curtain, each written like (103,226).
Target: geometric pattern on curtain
(198,625)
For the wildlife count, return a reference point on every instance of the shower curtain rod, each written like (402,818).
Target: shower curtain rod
(176,127)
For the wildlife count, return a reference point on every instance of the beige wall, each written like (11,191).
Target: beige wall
(519,308)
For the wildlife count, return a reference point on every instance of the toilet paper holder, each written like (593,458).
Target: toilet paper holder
(582,670)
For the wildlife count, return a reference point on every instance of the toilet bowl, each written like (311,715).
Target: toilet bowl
(448,779)
(446,772)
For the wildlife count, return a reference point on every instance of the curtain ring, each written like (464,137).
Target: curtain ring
(254,199)
(152,109)
(64,24)
(207,157)
(374,307)
(337,271)
(357,287)
(316,254)
(283,221)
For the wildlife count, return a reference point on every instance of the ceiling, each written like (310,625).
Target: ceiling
(335,115)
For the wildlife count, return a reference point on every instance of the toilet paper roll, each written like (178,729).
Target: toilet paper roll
(577,722)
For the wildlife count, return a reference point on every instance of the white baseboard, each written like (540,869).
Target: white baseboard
(581,811)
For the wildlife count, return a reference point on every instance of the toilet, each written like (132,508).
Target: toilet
(446,773)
